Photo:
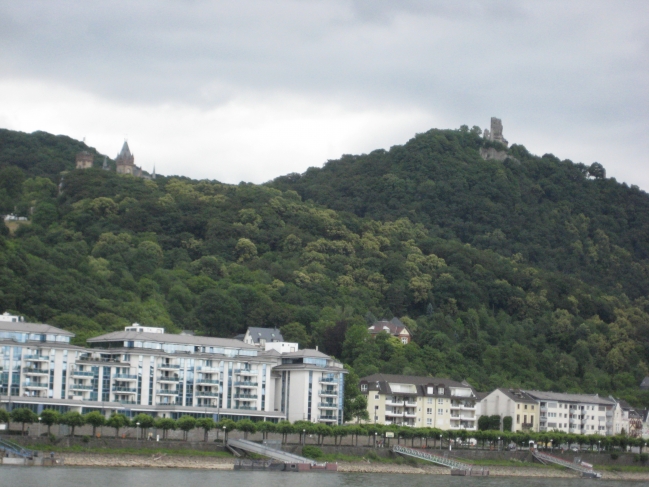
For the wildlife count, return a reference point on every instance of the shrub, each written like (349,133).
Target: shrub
(615,456)
(642,458)
(372,455)
(85,439)
(311,451)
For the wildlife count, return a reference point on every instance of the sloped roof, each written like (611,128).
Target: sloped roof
(645,383)
(24,327)
(125,152)
(171,338)
(517,395)
(393,327)
(381,383)
(268,334)
(308,352)
(568,397)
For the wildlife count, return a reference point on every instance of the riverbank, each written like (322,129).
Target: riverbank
(218,463)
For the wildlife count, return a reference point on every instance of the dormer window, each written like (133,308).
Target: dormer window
(440,391)
(364,387)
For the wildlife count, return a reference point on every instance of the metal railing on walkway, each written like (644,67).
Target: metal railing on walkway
(15,448)
(282,456)
(430,457)
(545,458)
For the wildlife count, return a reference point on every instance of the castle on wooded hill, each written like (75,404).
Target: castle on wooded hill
(124,163)
(495,135)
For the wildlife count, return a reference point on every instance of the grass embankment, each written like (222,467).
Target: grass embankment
(135,451)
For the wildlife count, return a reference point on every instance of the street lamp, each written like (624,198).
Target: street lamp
(225,435)
(499,443)
(440,442)
(39,426)
(137,431)
(599,446)
(304,437)
(375,433)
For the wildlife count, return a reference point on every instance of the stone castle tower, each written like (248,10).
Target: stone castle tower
(496,134)
(125,161)
(84,160)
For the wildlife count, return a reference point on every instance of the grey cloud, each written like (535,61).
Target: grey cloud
(566,66)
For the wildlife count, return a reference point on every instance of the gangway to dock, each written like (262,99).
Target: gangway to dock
(546,458)
(15,449)
(282,456)
(457,467)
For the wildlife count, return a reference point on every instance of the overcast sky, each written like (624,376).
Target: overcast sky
(249,90)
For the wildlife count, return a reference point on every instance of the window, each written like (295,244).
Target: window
(440,411)
(532,407)
(518,419)
(440,391)
(429,410)
(429,421)
(404,340)
(526,406)
(440,401)
(376,396)
(518,406)
(430,400)
(429,390)
(364,387)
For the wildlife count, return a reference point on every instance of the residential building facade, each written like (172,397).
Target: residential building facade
(517,404)
(156,373)
(420,401)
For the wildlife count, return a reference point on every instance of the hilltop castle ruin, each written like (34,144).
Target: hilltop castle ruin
(494,135)
(124,163)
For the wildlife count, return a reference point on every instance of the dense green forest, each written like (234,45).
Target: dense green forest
(530,272)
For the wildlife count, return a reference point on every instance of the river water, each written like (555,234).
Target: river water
(139,477)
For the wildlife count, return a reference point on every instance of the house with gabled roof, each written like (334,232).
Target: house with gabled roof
(393,327)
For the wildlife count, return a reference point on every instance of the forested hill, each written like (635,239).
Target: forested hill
(489,296)
(555,214)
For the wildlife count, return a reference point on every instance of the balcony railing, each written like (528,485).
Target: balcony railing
(40,358)
(247,408)
(80,387)
(166,403)
(206,394)
(245,383)
(168,378)
(125,389)
(245,396)
(121,401)
(328,393)
(246,371)
(168,366)
(166,392)
(34,370)
(327,418)
(394,403)
(328,380)
(327,405)
(207,381)
(33,385)
(82,373)
(125,376)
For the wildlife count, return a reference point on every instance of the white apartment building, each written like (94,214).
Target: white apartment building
(420,401)
(537,411)
(152,372)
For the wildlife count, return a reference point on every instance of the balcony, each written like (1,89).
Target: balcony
(247,408)
(82,373)
(246,371)
(392,402)
(245,383)
(167,403)
(123,401)
(130,390)
(207,381)
(125,376)
(327,405)
(328,419)
(168,378)
(410,415)
(328,393)
(80,387)
(328,380)
(394,413)
(609,413)
(168,366)
(206,394)
(467,406)
(211,370)
(166,392)
(36,358)
(245,396)
(35,371)
(35,385)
